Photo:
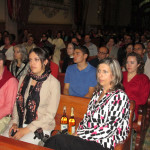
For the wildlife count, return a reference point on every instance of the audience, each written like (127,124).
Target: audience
(59,44)
(44,41)
(7,48)
(8,92)
(37,100)
(91,47)
(136,84)
(106,122)
(69,59)
(19,66)
(80,78)
(29,45)
(139,48)
(147,63)
(103,52)
(53,67)
(113,49)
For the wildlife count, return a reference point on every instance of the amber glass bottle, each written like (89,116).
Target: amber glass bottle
(64,120)
(72,122)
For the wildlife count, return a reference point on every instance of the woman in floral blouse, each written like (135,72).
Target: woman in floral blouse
(106,122)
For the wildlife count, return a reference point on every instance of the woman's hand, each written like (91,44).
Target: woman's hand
(13,127)
(20,133)
(75,134)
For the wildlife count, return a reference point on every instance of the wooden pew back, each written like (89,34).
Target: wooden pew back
(80,107)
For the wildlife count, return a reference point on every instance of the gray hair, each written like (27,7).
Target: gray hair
(23,51)
(116,72)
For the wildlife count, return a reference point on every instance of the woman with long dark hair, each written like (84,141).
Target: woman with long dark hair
(37,100)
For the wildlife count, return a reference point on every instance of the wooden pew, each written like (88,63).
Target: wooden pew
(61,77)
(80,107)
(11,144)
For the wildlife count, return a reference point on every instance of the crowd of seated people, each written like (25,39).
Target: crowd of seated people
(28,57)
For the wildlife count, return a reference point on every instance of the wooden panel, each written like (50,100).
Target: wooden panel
(11,144)
(80,107)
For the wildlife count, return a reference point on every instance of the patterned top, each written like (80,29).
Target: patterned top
(106,122)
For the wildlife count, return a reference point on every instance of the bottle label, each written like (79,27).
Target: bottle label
(73,130)
(63,126)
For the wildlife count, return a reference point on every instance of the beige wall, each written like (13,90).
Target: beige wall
(2,10)
(37,16)
(92,18)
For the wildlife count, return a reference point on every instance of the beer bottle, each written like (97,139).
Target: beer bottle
(64,120)
(71,128)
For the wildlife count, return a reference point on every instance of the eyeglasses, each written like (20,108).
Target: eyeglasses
(102,53)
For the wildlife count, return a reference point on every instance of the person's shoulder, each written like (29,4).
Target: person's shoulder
(71,67)
(143,77)
(91,67)
(124,73)
(120,92)
(53,64)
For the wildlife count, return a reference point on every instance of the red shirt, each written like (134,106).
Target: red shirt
(8,94)
(137,89)
(54,69)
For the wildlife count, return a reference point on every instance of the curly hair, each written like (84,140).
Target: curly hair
(139,60)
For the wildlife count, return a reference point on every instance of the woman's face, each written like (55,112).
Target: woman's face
(70,49)
(131,64)
(111,42)
(129,49)
(17,54)
(7,41)
(36,65)
(104,76)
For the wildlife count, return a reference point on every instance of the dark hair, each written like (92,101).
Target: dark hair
(84,49)
(3,57)
(49,50)
(9,37)
(139,60)
(140,44)
(115,40)
(43,55)
(116,72)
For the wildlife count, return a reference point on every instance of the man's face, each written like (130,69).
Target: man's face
(87,39)
(138,49)
(127,39)
(79,56)
(102,53)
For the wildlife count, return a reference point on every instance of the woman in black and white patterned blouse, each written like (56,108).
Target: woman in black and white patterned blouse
(106,122)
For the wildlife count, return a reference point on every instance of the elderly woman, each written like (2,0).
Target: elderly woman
(136,84)
(106,122)
(37,100)
(19,66)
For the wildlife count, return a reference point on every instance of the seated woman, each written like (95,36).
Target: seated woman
(106,122)
(69,59)
(7,48)
(113,49)
(136,84)
(8,92)
(19,66)
(37,100)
